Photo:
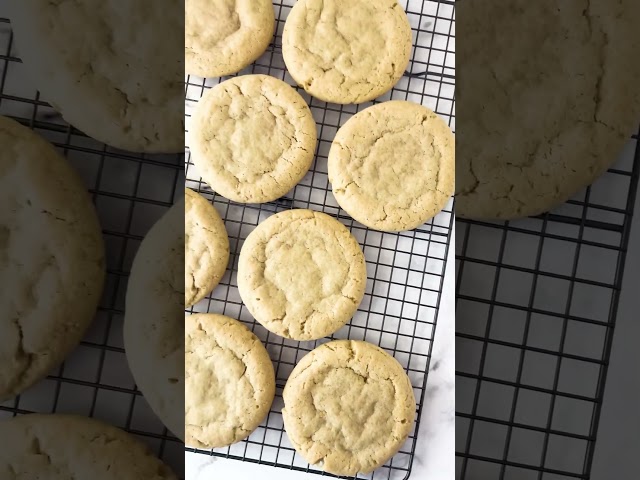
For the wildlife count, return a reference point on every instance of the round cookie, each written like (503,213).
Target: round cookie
(153,322)
(230,381)
(60,447)
(301,274)
(52,262)
(347,52)
(348,407)
(206,248)
(546,115)
(252,138)
(224,36)
(103,66)
(392,166)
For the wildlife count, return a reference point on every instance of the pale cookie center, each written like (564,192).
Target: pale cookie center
(398,168)
(340,37)
(350,411)
(311,282)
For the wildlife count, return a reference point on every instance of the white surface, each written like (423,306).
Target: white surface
(434,459)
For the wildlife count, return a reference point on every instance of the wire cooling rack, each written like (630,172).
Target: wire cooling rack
(405,271)
(130,193)
(536,304)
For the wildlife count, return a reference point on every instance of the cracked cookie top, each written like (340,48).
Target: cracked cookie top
(62,447)
(392,166)
(347,52)
(154,311)
(252,138)
(550,97)
(51,258)
(105,68)
(230,381)
(348,407)
(301,274)
(224,36)
(206,248)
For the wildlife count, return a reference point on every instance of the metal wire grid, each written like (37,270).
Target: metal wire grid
(130,193)
(405,271)
(536,309)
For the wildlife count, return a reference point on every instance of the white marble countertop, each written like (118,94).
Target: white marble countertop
(435,450)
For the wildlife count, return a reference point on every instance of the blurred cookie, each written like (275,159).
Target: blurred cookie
(347,52)
(67,446)
(392,166)
(224,36)
(153,322)
(301,274)
(550,97)
(52,262)
(230,381)
(206,248)
(348,407)
(252,138)
(114,70)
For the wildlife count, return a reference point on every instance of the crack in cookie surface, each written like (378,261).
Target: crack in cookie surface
(350,405)
(230,382)
(253,138)
(347,52)
(391,166)
(301,274)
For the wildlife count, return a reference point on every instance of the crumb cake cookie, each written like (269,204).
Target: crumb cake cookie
(230,382)
(546,115)
(252,138)
(224,36)
(347,52)
(206,248)
(392,166)
(348,407)
(62,447)
(104,68)
(154,312)
(301,274)
(52,262)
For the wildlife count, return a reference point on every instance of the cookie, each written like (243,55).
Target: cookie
(392,166)
(230,381)
(52,262)
(224,36)
(61,447)
(103,67)
(252,138)
(546,115)
(301,274)
(153,322)
(347,52)
(348,407)
(206,248)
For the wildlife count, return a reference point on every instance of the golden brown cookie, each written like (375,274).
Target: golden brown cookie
(230,381)
(224,36)
(348,407)
(252,138)
(392,166)
(301,274)
(206,248)
(347,51)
